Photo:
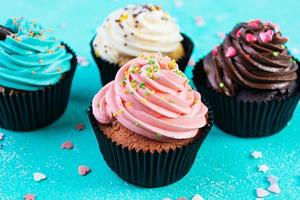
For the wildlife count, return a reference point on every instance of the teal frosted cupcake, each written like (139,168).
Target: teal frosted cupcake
(36,72)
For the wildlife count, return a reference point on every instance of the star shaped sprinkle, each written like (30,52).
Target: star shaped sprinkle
(197,197)
(256,154)
(260,192)
(1,136)
(263,168)
(29,197)
(67,145)
(80,127)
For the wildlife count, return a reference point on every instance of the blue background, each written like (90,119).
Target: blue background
(223,169)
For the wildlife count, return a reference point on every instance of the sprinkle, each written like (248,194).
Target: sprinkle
(80,127)
(221,85)
(83,61)
(256,154)
(128,104)
(133,84)
(230,52)
(83,170)
(247,56)
(215,51)
(137,124)
(275,53)
(142,85)
(191,62)
(18,39)
(151,62)
(59,69)
(197,101)
(282,46)
(178,3)
(119,112)
(197,197)
(250,37)
(272,179)
(61,46)
(254,23)
(38,176)
(181,198)
(263,168)
(238,33)
(41,61)
(143,100)
(274,188)
(29,197)
(179,73)
(172,101)
(97,53)
(266,36)
(123,17)
(67,145)
(1,136)
(172,64)
(50,51)
(200,21)
(260,192)
(158,135)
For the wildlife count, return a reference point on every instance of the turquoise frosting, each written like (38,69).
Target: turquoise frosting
(31,58)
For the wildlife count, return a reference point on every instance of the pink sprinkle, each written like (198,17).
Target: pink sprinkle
(83,170)
(254,23)
(215,51)
(67,145)
(80,127)
(250,37)
(231,52)
(272,179)
(248,56)
(1,136)
(199,21)
(181,198)
(29,197)
(261,192)
(266,36)
(274,188)
(238,33)
(191,62)
(82,61)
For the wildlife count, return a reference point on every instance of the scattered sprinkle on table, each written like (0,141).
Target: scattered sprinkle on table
(166,198)
(83,61)
(38,176)
(200,21)
(83,170)
(256,154)
(263,168)
(29,197)
(67,145)
(197,197)
(181,198)
(260,192)
(272,179)
(80,127)
(1,136)
(274,188)
(191,62)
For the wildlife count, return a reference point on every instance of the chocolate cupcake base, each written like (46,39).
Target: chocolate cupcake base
(26,110)
(109,70)
(246,118)
(146,169)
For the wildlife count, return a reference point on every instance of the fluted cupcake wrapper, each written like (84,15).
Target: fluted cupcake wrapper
(244,118)
(29,110)
(109,70)
(146,169)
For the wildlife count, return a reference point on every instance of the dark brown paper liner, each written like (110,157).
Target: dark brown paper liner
(24,111)
(149,169)
(244,118)
(109,70)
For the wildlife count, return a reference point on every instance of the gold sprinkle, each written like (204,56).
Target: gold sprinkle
(172,64)
(128,104)
(61,46)
(18,39)
(50,51)
(143,100)
(196,101)
(123,17)
(119,112)
(97,53)
(124,91)
(137,124)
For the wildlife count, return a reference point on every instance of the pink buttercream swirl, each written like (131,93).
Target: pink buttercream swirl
(151,97)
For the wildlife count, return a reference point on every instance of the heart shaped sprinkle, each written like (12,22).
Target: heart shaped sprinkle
(215,51)
(29,197)
(83,170)
(263,168)
(238,33)
(256,154)
(38,176)
(250,37)
(266,36)
(67,145)
(254,23)
(80,127)
(197,197)
(274,188)
(261,192)
(231,52)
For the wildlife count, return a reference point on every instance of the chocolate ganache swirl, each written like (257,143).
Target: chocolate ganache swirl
(252,57)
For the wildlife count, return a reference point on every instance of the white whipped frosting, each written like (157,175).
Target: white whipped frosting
(136,29)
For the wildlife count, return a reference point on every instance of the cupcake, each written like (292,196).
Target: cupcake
(250,80)
(36,72)
(149,122)
(130,31)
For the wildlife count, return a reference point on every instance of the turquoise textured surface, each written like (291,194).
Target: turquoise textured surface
(223,169)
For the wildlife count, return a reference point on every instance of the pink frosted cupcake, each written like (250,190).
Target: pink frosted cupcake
(149,122)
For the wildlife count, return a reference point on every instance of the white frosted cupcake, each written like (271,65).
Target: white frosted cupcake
(135,29)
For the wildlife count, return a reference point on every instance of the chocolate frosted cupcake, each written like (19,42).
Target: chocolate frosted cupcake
(250,80)
(149,122)
(36,72)
(130,31)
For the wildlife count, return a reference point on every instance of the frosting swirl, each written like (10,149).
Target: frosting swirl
(136,29)
(30,58)
(252,56)
(151,97)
